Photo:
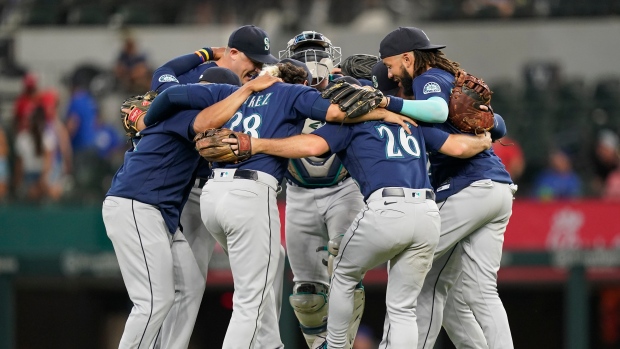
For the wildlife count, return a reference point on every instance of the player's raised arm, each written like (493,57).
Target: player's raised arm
(465,146)
(433,110)
(295,147)
(219,113)
(184,97)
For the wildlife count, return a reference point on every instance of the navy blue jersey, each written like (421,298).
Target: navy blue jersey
(450,175)
(380,155)
(276,112)
(180,71)
(166,75)
(159,170)
(192,76)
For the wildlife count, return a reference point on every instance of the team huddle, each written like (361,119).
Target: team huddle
(378,170)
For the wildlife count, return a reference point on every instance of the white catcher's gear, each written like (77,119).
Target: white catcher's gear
(359,299)
(317,51)
(332,248)
(316,171)
(359,295)
(310,38)
(309,301)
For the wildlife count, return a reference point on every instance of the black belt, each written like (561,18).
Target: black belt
(201,182)
(242,174)
(295,184)
(399,192)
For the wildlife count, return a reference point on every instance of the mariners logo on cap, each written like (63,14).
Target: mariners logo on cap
(375,83)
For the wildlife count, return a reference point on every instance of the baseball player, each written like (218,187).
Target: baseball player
(317,51)
(321,201)
(142,208)
(244,56)
(474,197)
(399,223)
(249,232)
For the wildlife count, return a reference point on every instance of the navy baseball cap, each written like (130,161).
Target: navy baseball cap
(406,39)
(301,65)
(381,81)
(253,42)
(219,75)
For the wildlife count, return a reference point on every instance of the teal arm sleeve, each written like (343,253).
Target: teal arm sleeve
(433,110)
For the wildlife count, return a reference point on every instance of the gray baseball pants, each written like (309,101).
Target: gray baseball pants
(402,230)
(177,328)
(242,215)
(149,258)
(313,217)
(473,223)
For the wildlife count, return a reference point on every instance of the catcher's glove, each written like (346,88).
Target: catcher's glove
(468,94)
(138,106)
(354,101)
(210,146)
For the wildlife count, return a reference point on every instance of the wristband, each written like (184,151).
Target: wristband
(395,104)
(205,54)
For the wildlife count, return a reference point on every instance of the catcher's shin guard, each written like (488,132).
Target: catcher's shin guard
(333,247)
(359,301)
(309,301)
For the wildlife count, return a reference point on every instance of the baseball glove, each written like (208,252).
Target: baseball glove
(354,101)
(359,66)
(468,94)
(210,146)
(138,106)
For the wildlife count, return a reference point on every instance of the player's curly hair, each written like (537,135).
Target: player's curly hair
(433,59)
(292,74)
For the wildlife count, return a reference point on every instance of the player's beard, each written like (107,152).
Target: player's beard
(406,80)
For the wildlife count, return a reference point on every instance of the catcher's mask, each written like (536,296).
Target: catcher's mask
(318,62)
(311,38)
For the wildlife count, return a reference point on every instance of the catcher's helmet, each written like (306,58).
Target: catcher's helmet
(316,50)
(311,40)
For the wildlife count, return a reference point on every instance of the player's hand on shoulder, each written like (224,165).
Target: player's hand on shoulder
(218,52)
(262,82)
(486,138)
(395,118)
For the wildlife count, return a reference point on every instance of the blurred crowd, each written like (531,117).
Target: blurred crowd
(297,13)
(59,144)
(66,150)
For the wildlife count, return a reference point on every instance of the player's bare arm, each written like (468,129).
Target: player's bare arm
(465,146)
(218,52)
(334,114)
(218,114)
(295,147)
